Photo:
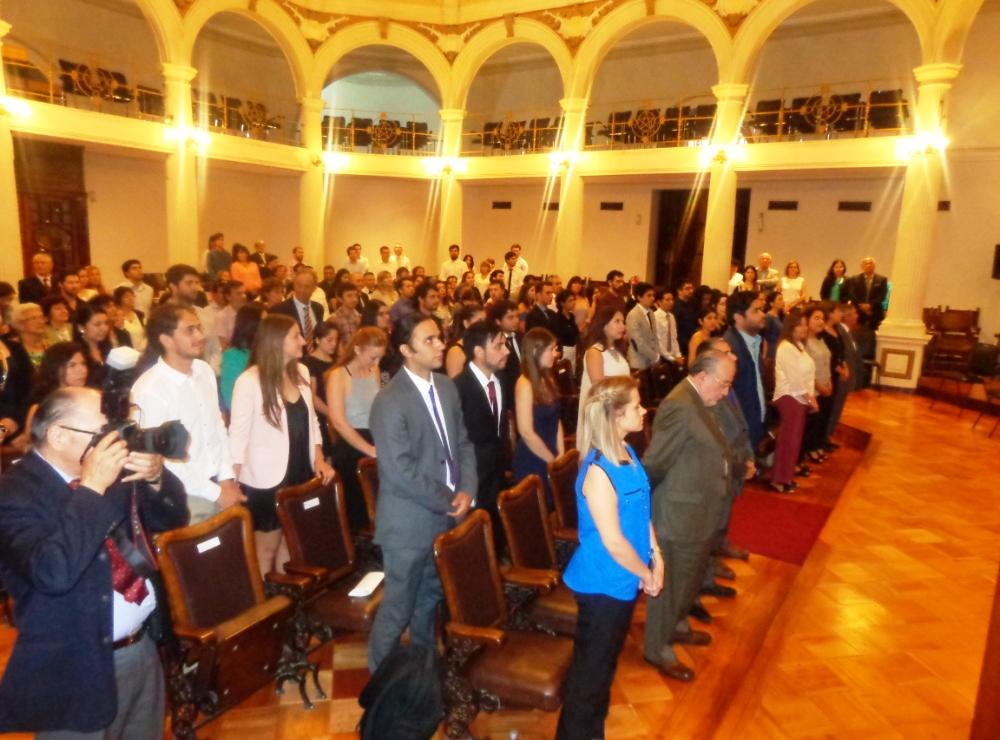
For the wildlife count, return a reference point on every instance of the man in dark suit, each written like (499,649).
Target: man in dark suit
(540,314)
(74,555)
(688,467)
(868,292)
(505,314)
(484,408)
(301,307)
(686,315)
(427,482)
(261,257)
(41,284)
(745,310)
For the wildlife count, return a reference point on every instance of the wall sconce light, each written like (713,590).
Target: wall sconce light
(332,161)
(438,166)
(709,154)
(926,142)
(194,137)
(563,160)
(14,107)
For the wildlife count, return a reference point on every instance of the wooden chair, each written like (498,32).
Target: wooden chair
(663,376)
(368,480)
(488,665)
(233,639)
(569,394)
(523,515)
(992,388)
(562,522)
(314,519)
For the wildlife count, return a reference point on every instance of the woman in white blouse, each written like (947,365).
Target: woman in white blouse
(605,356)
(793,286)
(795,396)
(274,433)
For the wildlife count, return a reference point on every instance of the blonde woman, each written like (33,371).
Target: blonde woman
(618,554)
(793,286)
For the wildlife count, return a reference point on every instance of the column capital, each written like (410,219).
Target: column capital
(182,73)
(452,115)
(730,91)
(939,73)
(574,105)
(4,28)
(311,104)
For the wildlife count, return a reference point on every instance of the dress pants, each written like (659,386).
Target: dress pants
(814,436)
(411,597)
(141,699)
(840,390)
(789,441)
(666,615)
(601,627)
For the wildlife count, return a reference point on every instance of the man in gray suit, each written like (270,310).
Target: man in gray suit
(643,344)
(427,482)
(688,463)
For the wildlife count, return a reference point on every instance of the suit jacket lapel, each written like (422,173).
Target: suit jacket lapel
(710,422)
(424,412)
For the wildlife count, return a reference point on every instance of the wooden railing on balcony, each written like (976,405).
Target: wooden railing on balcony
(381,132)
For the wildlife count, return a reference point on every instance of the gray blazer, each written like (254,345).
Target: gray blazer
(688,463)
(643,344)
(413,497)
(853,358)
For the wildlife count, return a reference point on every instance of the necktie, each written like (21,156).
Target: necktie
(652,322)
(307,323)
(45,282)
(512,346)
(124,580)
(491,392)
(448,459)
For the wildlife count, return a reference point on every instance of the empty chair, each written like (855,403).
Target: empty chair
(562,481)
(490,134)
(548,136)
(662,377)
(569,394)
(698,121)
(361,132)
(489,666)
(796,119)
(851,113)
(523,516)
(421,135)
(886,110)
(150,102)
(314,521)
(534,132)
(768,119)
(617,126)
(669,132)
(233,639)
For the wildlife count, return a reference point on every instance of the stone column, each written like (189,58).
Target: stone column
(902,336)
(720,218)
(569,223)
(450,193)
(11,261)
(312,186)
(182,170)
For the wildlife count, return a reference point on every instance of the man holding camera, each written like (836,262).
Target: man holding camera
(181,386)
(75,556)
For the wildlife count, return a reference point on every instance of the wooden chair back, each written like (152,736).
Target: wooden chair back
(368,480)
(314,520)
(523,516)
(562,480)
(467,565)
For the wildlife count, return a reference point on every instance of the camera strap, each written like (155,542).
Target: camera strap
(135,549)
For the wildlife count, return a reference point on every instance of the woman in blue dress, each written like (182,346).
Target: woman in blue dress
(536,404)
(617,556)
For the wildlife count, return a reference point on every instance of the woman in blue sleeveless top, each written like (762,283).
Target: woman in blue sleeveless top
(617,556)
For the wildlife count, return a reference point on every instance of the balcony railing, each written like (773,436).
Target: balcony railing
(353,130)
(91,85)
(522,133)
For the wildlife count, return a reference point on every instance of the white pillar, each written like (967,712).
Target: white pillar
(720,218)
(450,195)
(902,336)
(569,223)
(312,190)
(182,174)
(11,261)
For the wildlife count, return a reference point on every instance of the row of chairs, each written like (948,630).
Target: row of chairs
(360,133)
(883,110)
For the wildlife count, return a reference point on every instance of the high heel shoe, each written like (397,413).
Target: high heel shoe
(783,487)
(817,457)
(803,471)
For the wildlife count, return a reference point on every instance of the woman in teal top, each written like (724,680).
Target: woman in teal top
(237,356)
(832,288)
(617,556)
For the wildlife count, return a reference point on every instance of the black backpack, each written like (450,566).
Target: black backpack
(403,700)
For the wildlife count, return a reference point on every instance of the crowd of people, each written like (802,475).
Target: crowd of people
(280,374)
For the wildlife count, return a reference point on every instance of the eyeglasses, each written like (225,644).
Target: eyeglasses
(723,383)
(80,431)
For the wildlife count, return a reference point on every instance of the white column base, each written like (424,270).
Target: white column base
(899,351)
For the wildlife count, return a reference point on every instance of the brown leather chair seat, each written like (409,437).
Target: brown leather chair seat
(555,611)
(342,612)
(520,671)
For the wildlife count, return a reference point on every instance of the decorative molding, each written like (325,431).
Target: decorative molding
(574,22)
(450,39)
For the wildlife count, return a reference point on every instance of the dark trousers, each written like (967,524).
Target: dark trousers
(789,441)
(666,614)
(815,433)
(345,461)
(601,627)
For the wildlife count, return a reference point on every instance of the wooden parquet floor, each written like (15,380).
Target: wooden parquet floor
(880,634)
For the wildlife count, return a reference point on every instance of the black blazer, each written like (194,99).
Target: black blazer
(540,316)
(490,443)
(856,291)
(745,385)
(61,674)
(509,375)
(288,309)
(32,289)
(16,394)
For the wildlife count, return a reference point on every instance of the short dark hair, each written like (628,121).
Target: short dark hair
(245,326)
(345,287)
(49,301)
(424,288)
(401,280)
(612,274)
(641,289)
(128,265)
(454,246)
(270,284)
(213,237)
(507,255)
(681,283)
(120,291)
(477,335)
(738,304)
(402,330)
(176,273)
(498,309)
(661,291)
(162,320)
(230,285)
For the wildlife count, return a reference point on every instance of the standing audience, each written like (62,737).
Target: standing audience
(795,398)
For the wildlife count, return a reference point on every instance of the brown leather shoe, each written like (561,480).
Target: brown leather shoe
(733,552)
(692,637)
(722,570)
(676,670)
(719,591)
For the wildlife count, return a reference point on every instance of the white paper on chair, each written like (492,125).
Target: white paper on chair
(367,585)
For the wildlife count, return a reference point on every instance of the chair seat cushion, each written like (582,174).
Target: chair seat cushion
(555,611)
(342,612)
(528,670)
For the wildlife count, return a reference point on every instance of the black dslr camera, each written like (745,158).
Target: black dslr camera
(170,439)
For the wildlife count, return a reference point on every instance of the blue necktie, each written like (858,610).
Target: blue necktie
(449,460)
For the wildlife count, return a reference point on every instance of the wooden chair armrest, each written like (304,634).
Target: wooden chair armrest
(202,636)
(312,572)
(536,578)
(477,634)
(292,585)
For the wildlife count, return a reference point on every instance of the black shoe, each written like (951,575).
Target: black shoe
(719,591)
(699,612)
(783,487)
(803,471)
(675,670)
(723,571)
(692,637)
(734,552)
(831,446)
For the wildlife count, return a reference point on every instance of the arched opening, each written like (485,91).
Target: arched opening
(513,103)
(244,85)
(381,99)
(653,89)
(835,69)
(98,57)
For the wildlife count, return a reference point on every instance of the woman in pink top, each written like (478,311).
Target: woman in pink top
(274,433)
(244,270)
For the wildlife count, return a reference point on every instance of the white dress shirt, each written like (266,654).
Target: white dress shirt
(484,381)
(666,334)
(424,387)
(513,279)
(213,350)
(360,266)
(400,260)
(794,372)
(164,394)
(453,268)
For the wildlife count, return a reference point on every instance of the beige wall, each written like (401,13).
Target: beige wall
(489,233)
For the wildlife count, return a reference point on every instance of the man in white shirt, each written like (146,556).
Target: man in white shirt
(298,259)
(483,277)
(735,276)
(767,277)
(643,345)
(453,266)
(385,260)
(522,263)
(355,261)
(132,270)
(400,259)
(181,386)
(513,274)
(666,327)
(185,286)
